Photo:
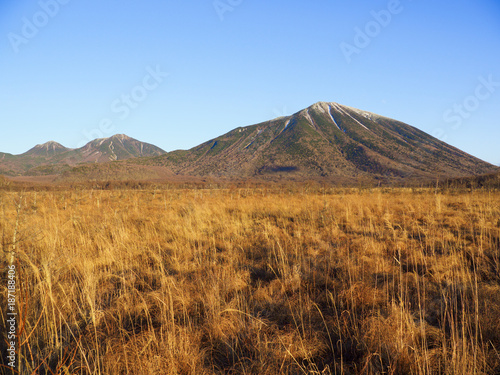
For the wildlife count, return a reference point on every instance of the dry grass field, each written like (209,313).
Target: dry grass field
(253,281)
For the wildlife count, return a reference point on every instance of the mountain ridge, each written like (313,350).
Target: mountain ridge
(326,140)
(47,148)
(53,158)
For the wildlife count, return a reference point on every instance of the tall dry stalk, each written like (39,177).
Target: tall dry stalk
(258,280)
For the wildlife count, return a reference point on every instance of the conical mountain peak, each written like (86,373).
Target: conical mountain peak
(47,149)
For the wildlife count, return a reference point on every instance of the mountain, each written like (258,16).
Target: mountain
(325,140)
(48,149)
(53,158)
(117,147)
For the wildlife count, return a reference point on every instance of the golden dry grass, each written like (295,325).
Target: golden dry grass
(255,281)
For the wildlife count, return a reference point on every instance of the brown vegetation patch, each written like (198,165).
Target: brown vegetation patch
(254,280)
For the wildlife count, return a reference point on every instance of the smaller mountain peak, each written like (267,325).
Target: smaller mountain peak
(49,147)
(99,141)
(121,137)
(50,144)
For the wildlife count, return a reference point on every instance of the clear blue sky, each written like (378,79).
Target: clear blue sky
(68,66)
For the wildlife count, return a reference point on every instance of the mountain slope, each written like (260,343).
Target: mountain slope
(53,158)
(325,140)
(48,149)
(117,147)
